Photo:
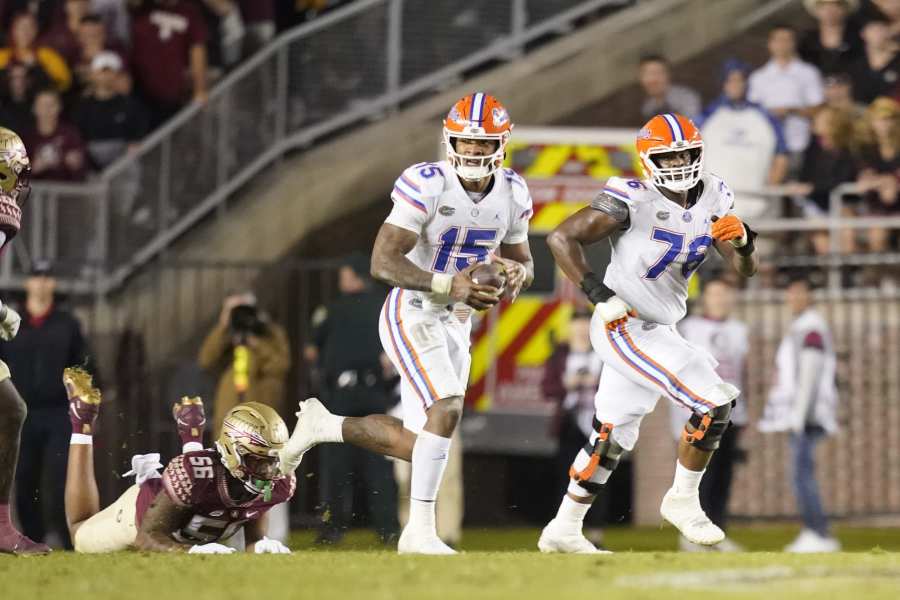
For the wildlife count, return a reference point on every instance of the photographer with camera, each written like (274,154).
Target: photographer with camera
(251,352)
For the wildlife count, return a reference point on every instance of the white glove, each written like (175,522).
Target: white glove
(144,467)
(614,311)
(9,326)
(211,549)
(269,546)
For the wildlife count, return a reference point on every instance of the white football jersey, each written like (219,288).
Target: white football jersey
(454,231)
(653,260)
(728,342)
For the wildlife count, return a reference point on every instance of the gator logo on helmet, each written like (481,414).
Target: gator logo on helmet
(457,118)
(644,134)
(500,116)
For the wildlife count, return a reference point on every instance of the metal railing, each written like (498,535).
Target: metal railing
(356,63)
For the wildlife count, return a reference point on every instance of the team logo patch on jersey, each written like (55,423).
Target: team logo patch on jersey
(662,215)
(415,302)
(687,217)
(447,211)
(475,212)
(500,116)
(217,513)
(648,326)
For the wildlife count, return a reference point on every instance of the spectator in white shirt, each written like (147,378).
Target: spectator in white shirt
(788,88)
(745,145)
(661,95)
(803,401)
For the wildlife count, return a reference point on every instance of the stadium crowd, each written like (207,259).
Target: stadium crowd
(85,80)
(822,111)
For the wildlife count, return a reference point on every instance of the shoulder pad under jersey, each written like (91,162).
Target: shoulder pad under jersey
(629,191)
(419,185)
(188,475)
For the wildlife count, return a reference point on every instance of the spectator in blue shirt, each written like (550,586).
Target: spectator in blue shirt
(744,145)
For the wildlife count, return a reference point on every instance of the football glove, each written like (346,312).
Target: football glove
(270,546)
(614,312)
(9,322)
(730,229)
(211,549)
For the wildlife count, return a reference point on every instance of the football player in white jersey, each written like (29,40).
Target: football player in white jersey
(660,230)
(447,217)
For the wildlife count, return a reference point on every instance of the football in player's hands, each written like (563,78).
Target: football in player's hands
(492,274)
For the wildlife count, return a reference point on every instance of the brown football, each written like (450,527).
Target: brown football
(493,274)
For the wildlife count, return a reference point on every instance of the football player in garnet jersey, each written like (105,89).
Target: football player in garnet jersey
(202,497)
(660,229)
(447,217)
(15,170)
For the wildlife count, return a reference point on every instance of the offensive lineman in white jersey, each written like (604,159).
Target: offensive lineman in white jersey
(660,230)
(447,217)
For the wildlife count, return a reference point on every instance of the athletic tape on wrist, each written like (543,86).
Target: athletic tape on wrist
(441,283)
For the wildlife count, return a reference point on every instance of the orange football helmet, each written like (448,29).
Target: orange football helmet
(665,134)
(482,117)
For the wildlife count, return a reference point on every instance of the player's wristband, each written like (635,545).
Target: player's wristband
(748,248)
(595,289)
(441,283)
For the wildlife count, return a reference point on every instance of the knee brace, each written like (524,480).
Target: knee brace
(604,452)
(706,431)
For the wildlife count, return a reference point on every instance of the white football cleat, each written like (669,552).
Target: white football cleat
(415,540)
(307,433)
(559,537)
(684,512)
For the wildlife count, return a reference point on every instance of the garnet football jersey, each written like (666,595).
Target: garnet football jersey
(199,481)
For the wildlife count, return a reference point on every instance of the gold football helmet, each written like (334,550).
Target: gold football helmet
(252,435)
(15,173)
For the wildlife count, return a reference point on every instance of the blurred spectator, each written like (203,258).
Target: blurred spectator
(251,353)
(570,380)
(168,43)
(259,19)
(56,149)
(47,12)
(878,140)
(19,85)
(22,49)
(661,95)
(889,9)
(49,340)
(63,35)
(110,122)
(877,72)
(114,14)
(839,94)
(835,44)
(827,163)
(229,40)
(803,402)
(788,88)
(716,331)
(350,356)
(92,40)
(744,145)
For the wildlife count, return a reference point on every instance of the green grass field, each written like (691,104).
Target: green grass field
(495,564)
